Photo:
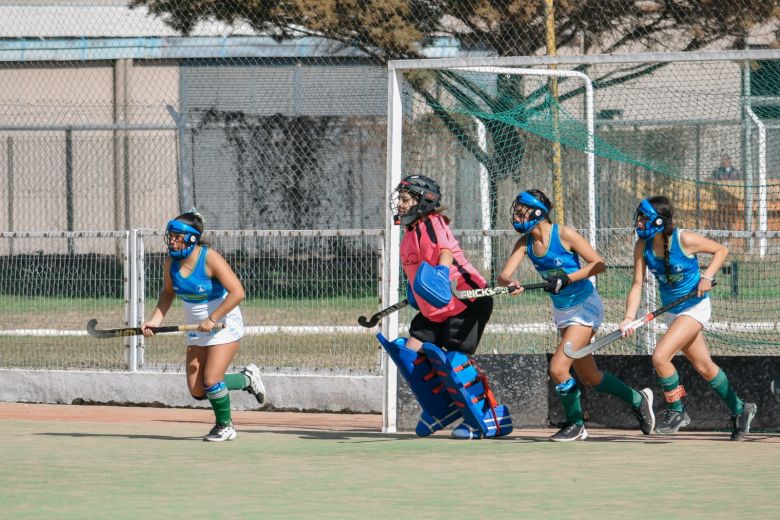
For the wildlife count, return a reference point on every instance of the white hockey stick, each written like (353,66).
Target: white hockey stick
(568,348)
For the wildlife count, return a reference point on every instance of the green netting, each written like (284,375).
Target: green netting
(684,130)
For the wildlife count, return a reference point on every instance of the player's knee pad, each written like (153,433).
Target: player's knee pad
(216,390)
(468,387)
(438,410)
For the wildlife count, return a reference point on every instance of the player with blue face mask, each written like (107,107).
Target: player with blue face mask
(670,253)
(211,293)
(555,251)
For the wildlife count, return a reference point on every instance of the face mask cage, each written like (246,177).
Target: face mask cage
(647,222)
(175,231)
(410,202)
(526,216)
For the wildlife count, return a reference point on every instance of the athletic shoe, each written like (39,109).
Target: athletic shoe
(221,432)
(256,386)
(570,432)
(742,422)
(644,412)
(671,421)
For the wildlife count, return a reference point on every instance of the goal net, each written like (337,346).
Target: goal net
(691,130)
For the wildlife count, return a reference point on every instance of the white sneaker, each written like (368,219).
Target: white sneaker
(256,386)
(221,432)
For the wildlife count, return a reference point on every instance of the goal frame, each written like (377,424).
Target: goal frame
(392,266)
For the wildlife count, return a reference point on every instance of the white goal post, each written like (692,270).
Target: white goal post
(390,287)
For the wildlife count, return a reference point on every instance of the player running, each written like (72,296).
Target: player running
(211,293)
(578,311)
(670,254)
(436,359)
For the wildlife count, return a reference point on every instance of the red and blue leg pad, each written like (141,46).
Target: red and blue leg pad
(468,387)
(438,409)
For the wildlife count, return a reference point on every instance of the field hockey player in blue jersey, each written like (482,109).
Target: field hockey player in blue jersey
(555,251)
(211,292)
(670,254)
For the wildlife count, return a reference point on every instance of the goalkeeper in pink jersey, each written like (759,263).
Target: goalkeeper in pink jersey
(443,320)
(446,331)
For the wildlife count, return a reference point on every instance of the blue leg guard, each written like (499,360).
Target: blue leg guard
(469,389)
(438,410)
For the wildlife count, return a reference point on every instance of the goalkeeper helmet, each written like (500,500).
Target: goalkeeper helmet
(528,211)
(648,221)
(188,234)
(425,194)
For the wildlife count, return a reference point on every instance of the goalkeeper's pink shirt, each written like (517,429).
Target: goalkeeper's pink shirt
(424,241)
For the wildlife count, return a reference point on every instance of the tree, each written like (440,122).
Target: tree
(398,29)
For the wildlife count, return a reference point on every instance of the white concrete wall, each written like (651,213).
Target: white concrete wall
(362,394)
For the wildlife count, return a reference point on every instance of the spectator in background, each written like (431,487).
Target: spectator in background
(725,171)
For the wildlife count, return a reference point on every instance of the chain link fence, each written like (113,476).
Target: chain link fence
(118,116)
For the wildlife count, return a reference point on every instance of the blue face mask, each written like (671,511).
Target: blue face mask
(653,222)
(530,209)
(190,237)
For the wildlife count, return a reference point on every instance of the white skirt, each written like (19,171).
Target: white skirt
(701,312)
(194,313)
(589,313)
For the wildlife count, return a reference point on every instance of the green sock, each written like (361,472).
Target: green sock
(612,385)
(572,406)
(219,397)
(667,385)
(236,381)
(720,383)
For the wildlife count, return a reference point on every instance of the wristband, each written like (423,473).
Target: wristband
(212,320)
(707,277)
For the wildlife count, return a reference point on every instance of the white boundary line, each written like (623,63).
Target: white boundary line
(518,328)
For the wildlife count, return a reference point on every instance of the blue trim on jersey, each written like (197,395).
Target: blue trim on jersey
(556,261)
(197,287)
(684,270)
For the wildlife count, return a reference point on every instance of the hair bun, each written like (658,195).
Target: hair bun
(196,213)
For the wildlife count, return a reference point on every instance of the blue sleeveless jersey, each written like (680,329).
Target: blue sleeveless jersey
(684,273)
(197,287)
(555,262)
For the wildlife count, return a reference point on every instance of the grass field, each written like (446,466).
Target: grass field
(105,462)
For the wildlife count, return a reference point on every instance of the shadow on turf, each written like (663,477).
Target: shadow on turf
(356,437)
(121,436)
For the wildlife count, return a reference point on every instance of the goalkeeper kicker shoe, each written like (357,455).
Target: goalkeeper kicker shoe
(742,422)
(221,432)
(671,421)
(644,412)
(256,386)
(570,432)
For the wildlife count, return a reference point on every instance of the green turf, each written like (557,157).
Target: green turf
(78,470)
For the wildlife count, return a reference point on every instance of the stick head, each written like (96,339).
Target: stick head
(568,349)
(92,330)
(365,322)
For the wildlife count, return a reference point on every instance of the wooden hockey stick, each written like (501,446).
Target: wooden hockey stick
(568,348)
(490,291)
(373,320)
(136,331)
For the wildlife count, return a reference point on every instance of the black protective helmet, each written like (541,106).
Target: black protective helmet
(425,191)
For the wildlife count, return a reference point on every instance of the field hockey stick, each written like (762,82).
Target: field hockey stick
(568,348)
(373,320)
(490,291)
(136,331)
